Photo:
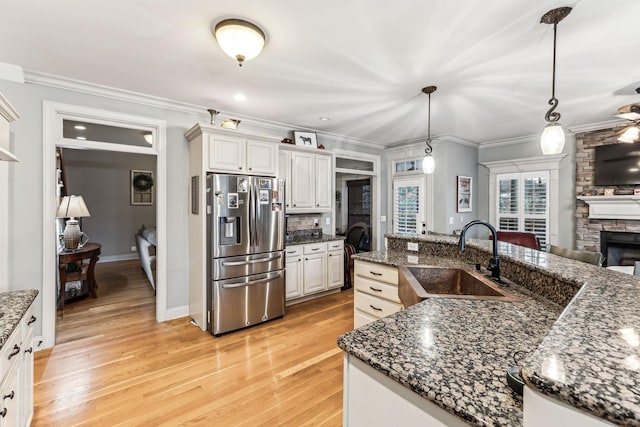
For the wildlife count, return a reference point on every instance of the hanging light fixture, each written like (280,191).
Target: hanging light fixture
(630,134)
(428,164)
(552,140)
(239,39)
(630,112)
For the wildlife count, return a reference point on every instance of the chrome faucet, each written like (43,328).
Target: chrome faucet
(494,263)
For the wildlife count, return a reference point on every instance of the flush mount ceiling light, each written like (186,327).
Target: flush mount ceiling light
(552,140)
(630,112)
(239,39)
(428,164)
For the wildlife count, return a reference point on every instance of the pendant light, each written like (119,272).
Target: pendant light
(630,112)
(428,164)
(239,39)
(552,140)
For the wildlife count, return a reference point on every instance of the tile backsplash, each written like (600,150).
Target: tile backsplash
(302,222)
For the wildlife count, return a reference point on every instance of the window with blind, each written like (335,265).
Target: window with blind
(408,203)
(523,203)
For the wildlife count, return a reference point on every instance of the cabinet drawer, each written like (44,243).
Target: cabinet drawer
(361,319)
(293,251)
(379,289)
(8,353)
(384,273)
(315,248)
(375,306)
(28,321)
(335,245)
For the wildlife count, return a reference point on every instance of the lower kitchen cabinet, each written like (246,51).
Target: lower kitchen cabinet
(16,370)
(376,292)
(314,269)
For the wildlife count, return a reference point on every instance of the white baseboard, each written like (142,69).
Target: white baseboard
(177,312)
(114,258)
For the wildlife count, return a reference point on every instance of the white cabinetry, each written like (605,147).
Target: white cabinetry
(16,370)
(309,176)
(314,269)
(284,172)
(335,264)
(376,292)
(234,151)
(294,272)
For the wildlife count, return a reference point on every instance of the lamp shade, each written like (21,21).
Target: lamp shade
(428,164)
(552,139)
(239,39)
(72,207)
(630,135)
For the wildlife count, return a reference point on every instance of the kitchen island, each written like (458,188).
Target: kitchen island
(573,334)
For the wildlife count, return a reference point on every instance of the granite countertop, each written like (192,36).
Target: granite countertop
(588,356)
(455,352)
(303,240)
(13,305)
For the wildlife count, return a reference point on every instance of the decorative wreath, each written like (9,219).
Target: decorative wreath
(142,182)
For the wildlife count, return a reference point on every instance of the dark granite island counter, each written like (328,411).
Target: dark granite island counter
(454,353)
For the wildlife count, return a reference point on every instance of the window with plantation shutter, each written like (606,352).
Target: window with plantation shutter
(408,202)
(523,203)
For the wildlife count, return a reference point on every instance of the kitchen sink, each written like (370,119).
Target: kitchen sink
(419,283)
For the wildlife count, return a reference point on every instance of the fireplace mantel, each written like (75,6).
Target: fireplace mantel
(613,207)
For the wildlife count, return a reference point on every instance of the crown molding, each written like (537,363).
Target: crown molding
(510,141)
(437,140)
(7,110)
(59,82)
(11,72)
(599,126)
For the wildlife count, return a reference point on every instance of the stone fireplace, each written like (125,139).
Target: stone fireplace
(588,230)
(620,248)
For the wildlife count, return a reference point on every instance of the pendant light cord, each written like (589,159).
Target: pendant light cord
(429,149)
(551,115)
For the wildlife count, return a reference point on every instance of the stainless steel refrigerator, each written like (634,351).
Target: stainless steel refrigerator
(245,240)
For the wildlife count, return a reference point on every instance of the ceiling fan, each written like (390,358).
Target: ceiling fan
(630,112)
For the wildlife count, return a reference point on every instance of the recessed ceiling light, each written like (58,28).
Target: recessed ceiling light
(80,127)
(239,97)
(81,137)
(324,119)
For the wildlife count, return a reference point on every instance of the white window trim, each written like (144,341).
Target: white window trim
(530,164)
(417,153)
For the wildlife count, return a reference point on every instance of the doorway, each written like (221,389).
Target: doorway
(153,136)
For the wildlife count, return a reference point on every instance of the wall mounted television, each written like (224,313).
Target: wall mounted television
(617,164)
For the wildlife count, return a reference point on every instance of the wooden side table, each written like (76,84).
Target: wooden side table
(90,251)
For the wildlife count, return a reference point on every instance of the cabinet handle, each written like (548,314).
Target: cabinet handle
(315,249)
(294,205)
(306,259)
(250,169)
(16,350)
(330,255)
(292,252)
(9,396)
(375,308)
(29,350)
(33,319)
(3,413)
(240,167)
(300,260)
(317,204)
(375,289)
(375,274)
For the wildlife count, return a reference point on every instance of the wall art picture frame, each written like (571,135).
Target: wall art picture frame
(141,187)
(465,194)
(305,139)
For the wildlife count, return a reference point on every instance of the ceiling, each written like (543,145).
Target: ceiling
(360,62)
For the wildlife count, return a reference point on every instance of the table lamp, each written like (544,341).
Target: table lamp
(72,207)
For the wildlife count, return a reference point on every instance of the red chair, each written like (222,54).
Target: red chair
(520,238)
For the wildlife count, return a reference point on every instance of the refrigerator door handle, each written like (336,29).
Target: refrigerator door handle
(254,282)
(252,221)
(253,261)
(256,214)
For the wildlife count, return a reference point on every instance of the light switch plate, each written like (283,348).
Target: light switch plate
(383,218)
(412,246)
(412,259)
(328,221)
(450,220)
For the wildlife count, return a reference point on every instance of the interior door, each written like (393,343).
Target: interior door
(409,205)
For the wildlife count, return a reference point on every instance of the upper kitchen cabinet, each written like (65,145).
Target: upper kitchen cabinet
(309,175)
(234,151)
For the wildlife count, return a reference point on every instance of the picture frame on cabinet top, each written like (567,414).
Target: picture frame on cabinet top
(305,139)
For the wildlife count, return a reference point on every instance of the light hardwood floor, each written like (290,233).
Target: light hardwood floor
(114,365)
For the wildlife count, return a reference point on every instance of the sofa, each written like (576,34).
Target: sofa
(146,242)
